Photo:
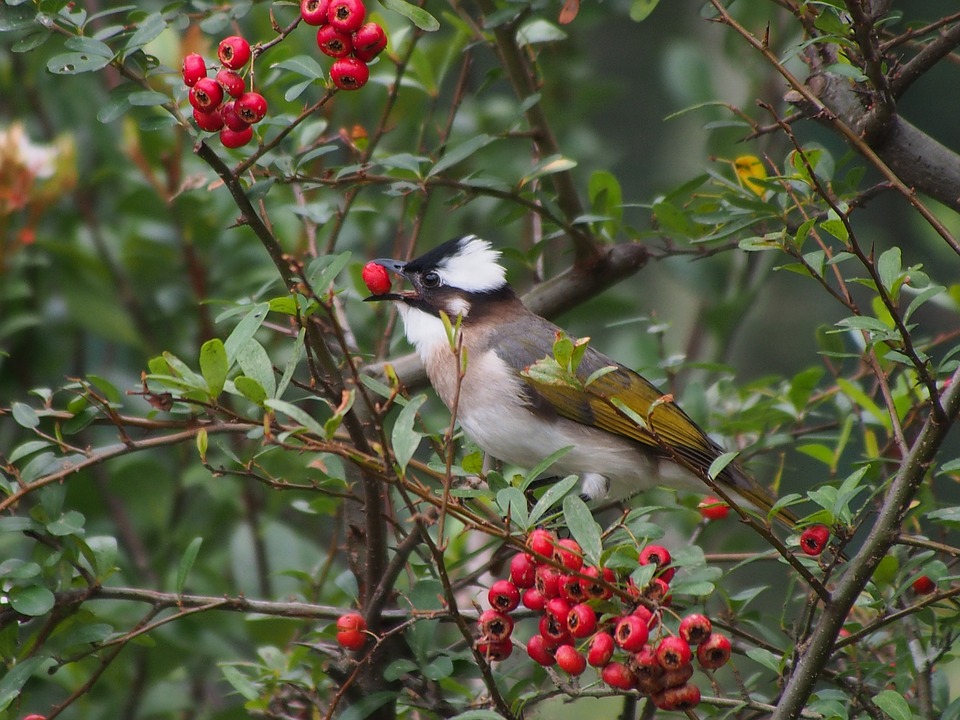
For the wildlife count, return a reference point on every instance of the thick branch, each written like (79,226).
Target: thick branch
(858,571)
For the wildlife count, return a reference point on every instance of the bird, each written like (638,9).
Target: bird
(622,434)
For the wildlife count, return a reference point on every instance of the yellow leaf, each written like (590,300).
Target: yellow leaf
(749,169)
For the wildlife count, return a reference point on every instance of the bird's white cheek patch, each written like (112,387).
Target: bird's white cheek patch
(475,267)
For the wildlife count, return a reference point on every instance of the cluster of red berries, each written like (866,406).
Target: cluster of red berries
(589,616)
(343,35)
(222,103)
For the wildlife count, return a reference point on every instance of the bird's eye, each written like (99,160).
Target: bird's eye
(431,279)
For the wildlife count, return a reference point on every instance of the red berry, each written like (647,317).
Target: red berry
(596,591)
(235,138)
(712,508)
(631,633)
(208,121)
(570,660)
(581,621)
(351,621)
(618,676)
(923,585)
(713,652)
(558,608)
(206,95)
(554,630)
(647,670)
(649,618)
(351,639)
(495,650)
(194,68)
(523,570)
(234,52)
(673,652)
(369,41)
(346,15)
(314,12)
(814,539)
(35,717)
(539,651)
(548,581)
(541,542)
(231,82)
(569,554)
(695,628)
(333,42)
(601,649)
(533,599)
(683,698)
(251,107)
(659,556)
(503,596)
(676,678)
(658,591)
(350,631)
(228,111)
(495,625)
(572,588)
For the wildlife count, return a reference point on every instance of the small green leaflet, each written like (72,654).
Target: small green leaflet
(186,562)
(583,527)
(417,15)
(405,438)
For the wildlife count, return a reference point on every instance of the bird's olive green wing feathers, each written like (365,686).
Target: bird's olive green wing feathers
(601,393)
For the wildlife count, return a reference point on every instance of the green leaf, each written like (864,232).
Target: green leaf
(16,677)
(539,32)
(292,362)
(70,523)
(893,704)
(245,330)
(889,269)
(556,492)
(239,682)
(304,65)
(186,562)
(513,505)
(297,414)
(583,527)
(255,363)
(250,389)
(75,63)
(25,415)
(460,152)
(33,600)
(417,15)
(766,658)
(718,465)
(478,715)
(214,365)
(322,271)
(147,29)
(405,438)
(640,10)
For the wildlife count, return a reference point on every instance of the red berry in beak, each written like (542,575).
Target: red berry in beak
(376,278)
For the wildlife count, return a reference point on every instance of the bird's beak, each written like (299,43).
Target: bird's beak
(396,266)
